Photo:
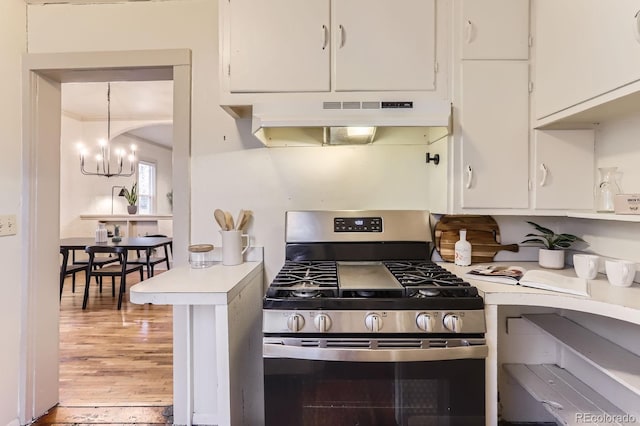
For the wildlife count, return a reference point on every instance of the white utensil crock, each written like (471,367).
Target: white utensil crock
(232,250)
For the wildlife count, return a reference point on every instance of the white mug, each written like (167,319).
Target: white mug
(620,272)
(586,265)
(232,250)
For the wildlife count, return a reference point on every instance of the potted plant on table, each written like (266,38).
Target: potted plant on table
(132,198)
(552,254)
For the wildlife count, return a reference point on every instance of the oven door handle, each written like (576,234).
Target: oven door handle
(271,350)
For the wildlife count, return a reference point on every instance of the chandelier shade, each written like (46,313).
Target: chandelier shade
(104,164)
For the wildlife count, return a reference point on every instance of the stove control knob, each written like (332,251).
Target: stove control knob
(322,322)
(453,322)
(373,322)
(425,322)
(295,322)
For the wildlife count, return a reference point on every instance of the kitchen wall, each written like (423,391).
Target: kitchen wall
(12,45)
(271,181)
(80,194)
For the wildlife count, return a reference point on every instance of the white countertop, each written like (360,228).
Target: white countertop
(615,302)
(216,285)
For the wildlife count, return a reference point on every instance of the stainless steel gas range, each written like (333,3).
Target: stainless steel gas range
(361,328)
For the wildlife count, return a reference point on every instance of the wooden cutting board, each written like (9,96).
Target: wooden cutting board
(483,233)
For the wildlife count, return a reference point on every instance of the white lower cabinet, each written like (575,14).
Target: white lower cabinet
(494,134)
(563,169)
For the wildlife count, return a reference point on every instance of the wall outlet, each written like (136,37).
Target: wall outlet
(8,225)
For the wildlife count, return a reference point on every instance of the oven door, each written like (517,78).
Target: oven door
(336,383)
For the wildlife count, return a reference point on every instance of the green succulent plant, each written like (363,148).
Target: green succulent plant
(549,239)
(131,195)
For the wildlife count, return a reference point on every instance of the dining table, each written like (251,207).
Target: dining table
(147,244)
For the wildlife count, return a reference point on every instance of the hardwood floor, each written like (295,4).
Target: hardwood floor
(116,367)
(105,416)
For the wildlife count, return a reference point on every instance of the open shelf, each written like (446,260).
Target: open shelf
(564,396)
(604,216)
(612,360)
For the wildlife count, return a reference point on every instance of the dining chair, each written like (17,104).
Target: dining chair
(66,270)
(120,270)
(149,257)
(98,262)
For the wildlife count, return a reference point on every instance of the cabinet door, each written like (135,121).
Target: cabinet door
(563,169)
(279,46)
(494,123)
(384,44)
(495,29)
(583,52)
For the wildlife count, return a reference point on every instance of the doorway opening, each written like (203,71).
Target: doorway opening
(44,74)
(130,350)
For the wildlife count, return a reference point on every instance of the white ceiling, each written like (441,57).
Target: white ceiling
(130,100)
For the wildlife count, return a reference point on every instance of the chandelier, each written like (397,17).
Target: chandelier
(104,165)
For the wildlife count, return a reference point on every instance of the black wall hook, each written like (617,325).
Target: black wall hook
(435,158)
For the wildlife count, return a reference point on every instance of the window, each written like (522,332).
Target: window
(146,187)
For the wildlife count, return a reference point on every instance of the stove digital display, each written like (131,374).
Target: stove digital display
(357,224)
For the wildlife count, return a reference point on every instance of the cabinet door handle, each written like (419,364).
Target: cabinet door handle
(342,36)
(469,176)
(636,26)
(545,172)
(325,37)
(468,30)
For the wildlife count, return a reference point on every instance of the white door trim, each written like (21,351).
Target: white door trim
(40,192)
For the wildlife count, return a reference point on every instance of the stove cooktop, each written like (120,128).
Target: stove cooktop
(390,284)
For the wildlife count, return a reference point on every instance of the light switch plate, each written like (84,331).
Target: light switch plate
(8,225)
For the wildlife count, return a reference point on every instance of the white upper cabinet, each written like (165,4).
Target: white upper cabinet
(495,134)
(563,169)
(495,29)
(329,45)
(584,50)
(279,46)
(384,45)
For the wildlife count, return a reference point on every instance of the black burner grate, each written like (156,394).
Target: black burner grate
(305,279)
(424,279)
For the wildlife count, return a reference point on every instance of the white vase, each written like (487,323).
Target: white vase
(552,259)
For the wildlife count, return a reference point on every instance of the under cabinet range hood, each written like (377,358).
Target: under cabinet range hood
(309,123)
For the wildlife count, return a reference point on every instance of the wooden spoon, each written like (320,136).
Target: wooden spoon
(240,219)
(220,218)
(245,220)
(228,219)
